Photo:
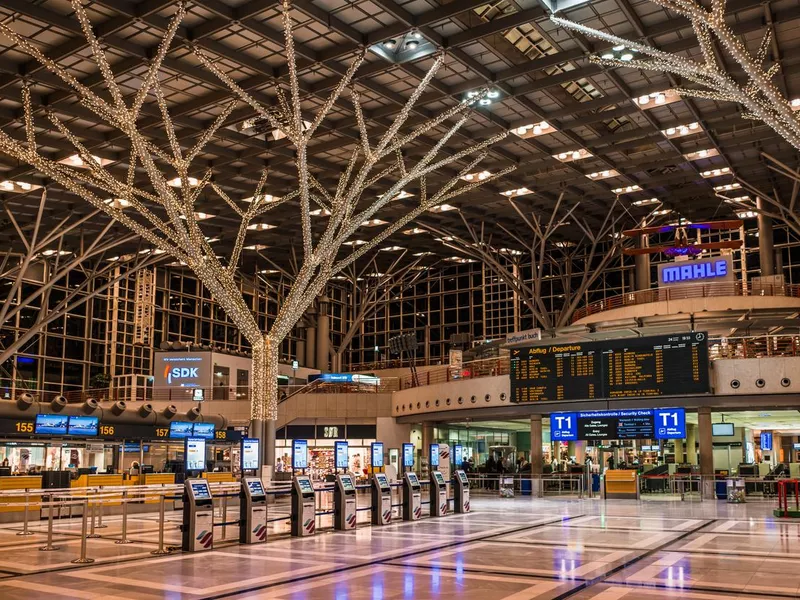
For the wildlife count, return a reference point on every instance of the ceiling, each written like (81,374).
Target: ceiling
(539,72)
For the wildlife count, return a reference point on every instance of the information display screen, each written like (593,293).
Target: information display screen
(664,365)
(434,455)
(305,485)
(439,477)
(256,488)
(383,482)
(203,430)
(300,454)
(721,429)
(83,426)
(180,429)
(766,440)
(463,477)
(51,424)
(377,455)
(412,478)
(200,490)
(458,454)
(342,457)
(195,456)
(408,455)
(249,454)
(347,483)
(659,424)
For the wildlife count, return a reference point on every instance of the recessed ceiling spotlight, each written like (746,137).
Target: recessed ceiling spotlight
(484,102)
(416,35)
(412,44)
(391,44)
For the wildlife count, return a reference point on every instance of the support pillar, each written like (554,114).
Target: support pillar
(679,452)
(536,455)
(269,443)
(706,450)
(642,267)
(311,340)
(323,335)
(691,444)
(766,245)
(427,440)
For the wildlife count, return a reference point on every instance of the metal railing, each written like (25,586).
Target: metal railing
(684,292)
(537,485)
(489,367)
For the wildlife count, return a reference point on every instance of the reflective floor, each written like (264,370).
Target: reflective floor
(506,549)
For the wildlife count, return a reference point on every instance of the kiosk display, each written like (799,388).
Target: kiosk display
(197,530)
(438,495)
(377,455)
(461,492)
(381,500)
(195,454)
(342,457)
(434,455)
(300,454)
(304,506)
(249,454)
(412,497)
(253,511)
(408,456)
(344,503)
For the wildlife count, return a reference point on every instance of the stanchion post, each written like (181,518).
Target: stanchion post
(100,512)
(124,539)
(49,546)
(161,550)
(224,514)
(92,534)
(25,517)
(82,560)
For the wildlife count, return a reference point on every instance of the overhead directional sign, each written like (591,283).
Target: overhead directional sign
(659,424)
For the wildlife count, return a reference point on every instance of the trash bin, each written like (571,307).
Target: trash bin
(595,482)
(735,491)
(526,489)
(721,489)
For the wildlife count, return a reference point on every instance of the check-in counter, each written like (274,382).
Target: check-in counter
(219,477)
(100,481)
(156,479)
(11,483)
(621,484)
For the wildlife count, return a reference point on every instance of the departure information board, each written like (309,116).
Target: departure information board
(666,365)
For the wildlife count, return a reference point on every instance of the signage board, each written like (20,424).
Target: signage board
(626,368)
(182,369)
(344,378)
(659,424)
(341,454)
(704,270)
(523,337)
(434,455)
(300,454)
(195,454)
(249,454)
(377,455)
(766,440)
(408,455)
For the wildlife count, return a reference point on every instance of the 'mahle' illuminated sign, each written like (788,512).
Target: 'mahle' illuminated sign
(693,271)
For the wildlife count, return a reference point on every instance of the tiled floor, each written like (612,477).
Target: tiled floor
(506,549)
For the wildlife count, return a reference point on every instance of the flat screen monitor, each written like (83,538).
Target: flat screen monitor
(412,478)
(458,454)
(439,477)
(300,454)
(721,429)
(195,455)
(796,446)
(347,483)
(82,426)
(305,485)
(180,429)
(340,451)
(377,455)
(434,455)
(463,477)
(256,487)
(203,430)
(408,455)
(200,490)
(383,481)
(51,425)
(249,454)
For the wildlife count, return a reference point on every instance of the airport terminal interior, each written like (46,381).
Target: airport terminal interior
(382,299)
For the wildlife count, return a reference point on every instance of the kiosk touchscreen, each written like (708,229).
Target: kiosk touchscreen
(253,511)
(344,503)
(381,499)
(198,516)
(412,497)
(438,492)
(461,492)
(304,506)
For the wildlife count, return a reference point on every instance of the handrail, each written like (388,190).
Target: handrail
(685,292)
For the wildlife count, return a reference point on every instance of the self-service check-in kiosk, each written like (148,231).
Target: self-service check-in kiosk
(304,506)
(344,503)
(412,497)
(381,499)
(252,511)
(461,492)
(198,516)
(438,498)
